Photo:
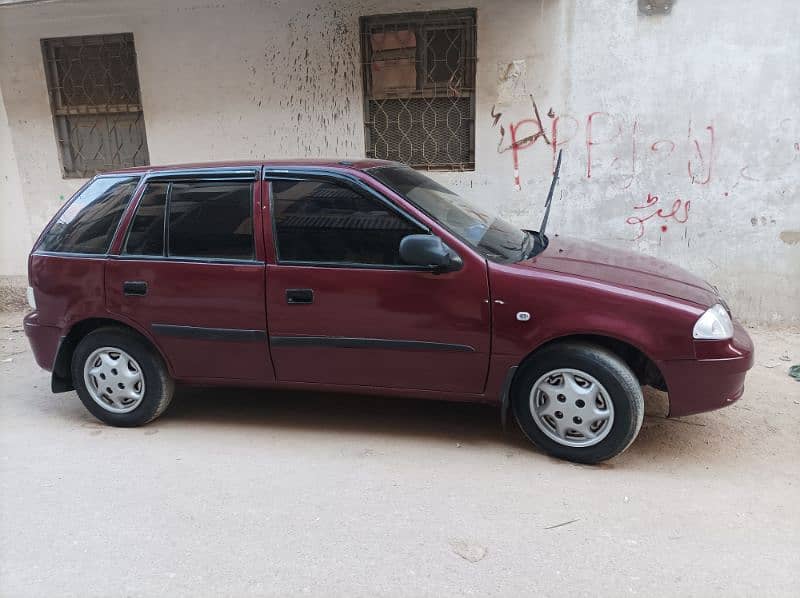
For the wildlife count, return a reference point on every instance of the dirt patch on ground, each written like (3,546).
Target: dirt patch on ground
(12,295)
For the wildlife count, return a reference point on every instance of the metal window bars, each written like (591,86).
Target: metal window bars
(94,96)
(419,88)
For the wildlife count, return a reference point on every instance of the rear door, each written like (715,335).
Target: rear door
(189,272)
(343,308)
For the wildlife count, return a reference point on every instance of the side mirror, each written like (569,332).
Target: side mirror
(429,251)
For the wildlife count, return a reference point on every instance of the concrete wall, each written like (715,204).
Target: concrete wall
(693,113)
(15,230)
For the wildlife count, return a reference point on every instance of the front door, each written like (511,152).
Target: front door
(190,274)
(344,310)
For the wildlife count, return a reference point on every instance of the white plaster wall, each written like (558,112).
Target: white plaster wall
(728,66)
(244,79)
(15,230)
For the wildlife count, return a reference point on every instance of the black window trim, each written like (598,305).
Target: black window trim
(167,218)
(186,260)
(353,183)
(165,229)
(205,174)
(194,175)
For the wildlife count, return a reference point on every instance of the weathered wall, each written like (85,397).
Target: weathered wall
(14,228)
(693,114)
(699,106)
(15,231)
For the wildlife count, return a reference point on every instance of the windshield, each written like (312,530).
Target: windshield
(490,235)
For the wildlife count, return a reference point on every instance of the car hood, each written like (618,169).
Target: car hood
(624,268)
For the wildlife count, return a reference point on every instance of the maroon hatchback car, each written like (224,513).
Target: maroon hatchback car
(365,276)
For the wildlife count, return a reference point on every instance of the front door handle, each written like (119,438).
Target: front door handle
(136,288)
(299,296)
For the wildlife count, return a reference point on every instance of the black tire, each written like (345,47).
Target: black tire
(621,384)
(158,389)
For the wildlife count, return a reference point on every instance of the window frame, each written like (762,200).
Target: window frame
(423,22)
(357,186)
(194,175)
(168,219)
(60,111)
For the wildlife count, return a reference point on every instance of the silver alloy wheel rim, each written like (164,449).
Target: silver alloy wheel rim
(572,408)
(114,380)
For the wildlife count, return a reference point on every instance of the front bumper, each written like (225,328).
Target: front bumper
(714,379)
(44,340)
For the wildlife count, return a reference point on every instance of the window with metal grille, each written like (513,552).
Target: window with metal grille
(419,87)
(97,109)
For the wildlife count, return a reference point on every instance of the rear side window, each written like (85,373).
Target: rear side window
(211,220)
(88,224)
(146,233)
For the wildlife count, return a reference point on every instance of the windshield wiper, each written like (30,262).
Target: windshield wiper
(549,200)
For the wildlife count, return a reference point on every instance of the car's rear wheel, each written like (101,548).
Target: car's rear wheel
(578,402)
(119,378)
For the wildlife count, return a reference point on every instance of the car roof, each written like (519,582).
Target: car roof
(334,164)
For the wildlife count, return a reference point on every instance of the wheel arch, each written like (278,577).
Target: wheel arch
(62,378)
(643,367)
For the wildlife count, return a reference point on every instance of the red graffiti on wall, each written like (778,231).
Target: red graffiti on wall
(556,133)
(602,130)
(591,141)
(518,145)
(699,153)
(656,147)
(678,212)
(618,151)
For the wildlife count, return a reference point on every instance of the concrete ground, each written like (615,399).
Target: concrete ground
(240,493)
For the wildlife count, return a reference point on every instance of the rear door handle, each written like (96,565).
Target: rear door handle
(299,296)
(134,288)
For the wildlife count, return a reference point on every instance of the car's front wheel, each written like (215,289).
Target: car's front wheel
(578,402)
(119,378)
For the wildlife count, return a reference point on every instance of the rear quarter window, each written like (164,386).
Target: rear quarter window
(89,222)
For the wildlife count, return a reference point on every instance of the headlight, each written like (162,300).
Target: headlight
(714,324)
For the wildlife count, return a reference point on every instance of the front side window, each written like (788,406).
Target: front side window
(324,222)
(211,220)
(88,224)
